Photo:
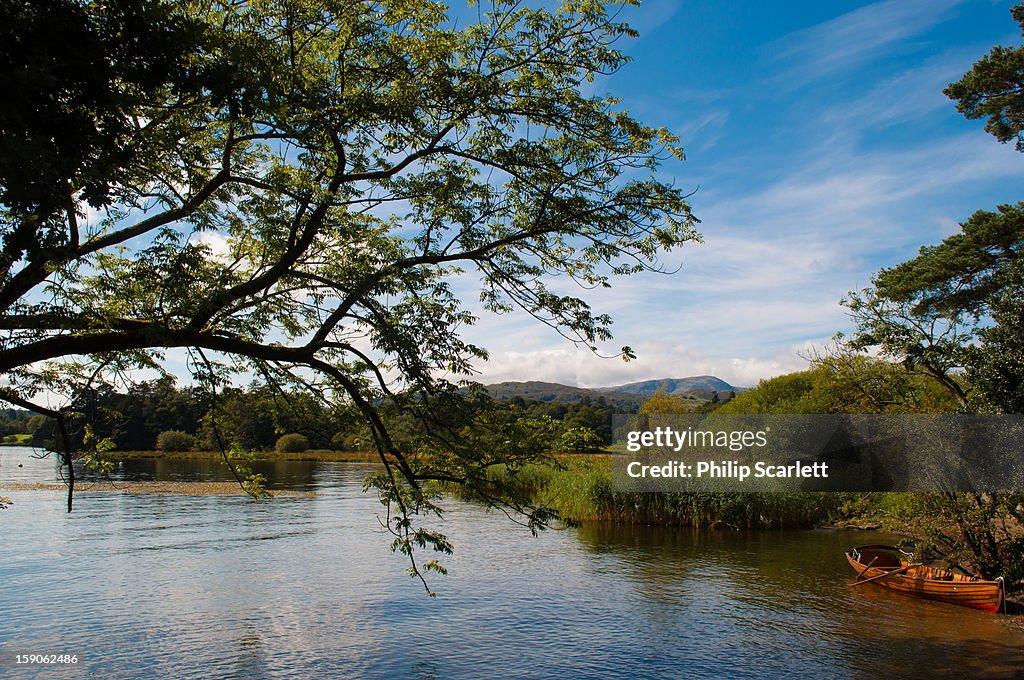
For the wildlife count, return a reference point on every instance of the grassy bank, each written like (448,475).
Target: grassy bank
(582,491)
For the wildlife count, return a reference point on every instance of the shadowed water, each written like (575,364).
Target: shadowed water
(165,586)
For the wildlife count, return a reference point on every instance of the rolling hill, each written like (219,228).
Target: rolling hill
(547,391)
(699,383)
(700,388)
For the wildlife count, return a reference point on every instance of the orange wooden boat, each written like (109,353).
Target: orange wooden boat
(886,566)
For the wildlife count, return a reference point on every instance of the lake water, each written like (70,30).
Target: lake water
(174,587)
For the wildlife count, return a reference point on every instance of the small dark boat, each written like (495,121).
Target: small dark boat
(888,566)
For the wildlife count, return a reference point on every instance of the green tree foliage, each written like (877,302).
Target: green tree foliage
(579,440)
(992,89)
(301,181)
(965,272)
(843,382)
(253,419)
(594,415)
(790,393)
(175,440)
(243,418)
(949,312)
(292,443)
(150,407)
(930,312)
(76,71)
(997,371)
(14,421)
(924,341)
(131,419)
(663,402)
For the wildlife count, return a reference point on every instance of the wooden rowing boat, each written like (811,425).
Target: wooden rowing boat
(885,566)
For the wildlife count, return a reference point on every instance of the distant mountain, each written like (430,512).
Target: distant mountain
(699,383)
(700,388)
(547,391)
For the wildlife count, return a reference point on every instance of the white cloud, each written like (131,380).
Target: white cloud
(837,194)
(856,37)
(650,15)
(905,97)
(219,246)
(947,226)
(702,132)
(581,368)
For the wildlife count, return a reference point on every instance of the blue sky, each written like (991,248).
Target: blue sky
(821,149)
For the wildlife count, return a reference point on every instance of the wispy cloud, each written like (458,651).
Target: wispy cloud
(906,97)
(702,132)
(856,37)
(651,15)
(843,194)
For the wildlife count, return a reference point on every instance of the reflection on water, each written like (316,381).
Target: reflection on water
(22,464)
(165,586)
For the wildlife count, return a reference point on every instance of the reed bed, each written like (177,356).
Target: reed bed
(580,489)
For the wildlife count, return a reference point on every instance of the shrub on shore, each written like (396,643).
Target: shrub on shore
(292,443)
(175,440)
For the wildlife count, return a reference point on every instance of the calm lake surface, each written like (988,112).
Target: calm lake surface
(173,587)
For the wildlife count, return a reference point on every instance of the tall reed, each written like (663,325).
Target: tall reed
(581,490)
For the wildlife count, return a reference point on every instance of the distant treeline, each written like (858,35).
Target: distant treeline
(14,421)
(257,417)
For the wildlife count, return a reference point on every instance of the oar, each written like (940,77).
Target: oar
(887,574)
(867,567)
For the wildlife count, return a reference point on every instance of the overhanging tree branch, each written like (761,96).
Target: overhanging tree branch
(296,186)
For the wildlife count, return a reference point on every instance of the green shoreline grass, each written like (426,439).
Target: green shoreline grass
(582,491)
